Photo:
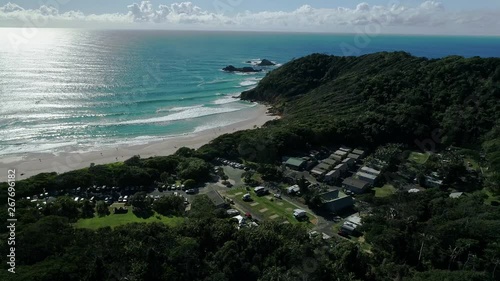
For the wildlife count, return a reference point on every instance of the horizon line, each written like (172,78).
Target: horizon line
(260,31)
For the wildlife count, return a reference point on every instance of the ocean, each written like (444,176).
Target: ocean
(79,89)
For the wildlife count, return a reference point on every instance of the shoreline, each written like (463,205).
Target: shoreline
(30,164)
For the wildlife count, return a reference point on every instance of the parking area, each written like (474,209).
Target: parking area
(268,207)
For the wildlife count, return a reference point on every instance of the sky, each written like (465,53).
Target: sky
(480,17)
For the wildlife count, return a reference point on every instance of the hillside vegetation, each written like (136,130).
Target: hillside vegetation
(372,100)
(387,96)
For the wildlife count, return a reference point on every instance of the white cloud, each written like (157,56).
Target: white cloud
(10,7)
(432,5)
(427,17)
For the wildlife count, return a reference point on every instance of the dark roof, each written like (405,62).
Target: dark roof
(216,199)
(322,166)
(352,182)
(330,195)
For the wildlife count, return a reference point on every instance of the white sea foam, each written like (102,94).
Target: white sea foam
(247,73)
(253,61)
(216,81)
(248,83)
(181,115)
(38,147)
(180,108)
(257,61)
(225,100)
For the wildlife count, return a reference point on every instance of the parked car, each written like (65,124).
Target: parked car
(190,191)
(232,212)
(246,197)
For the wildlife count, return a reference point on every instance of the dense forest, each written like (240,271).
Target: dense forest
(369,101)
(424,237)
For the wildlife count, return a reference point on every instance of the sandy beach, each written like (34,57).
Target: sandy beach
(30,164)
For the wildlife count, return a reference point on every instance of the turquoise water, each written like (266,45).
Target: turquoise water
(85,88)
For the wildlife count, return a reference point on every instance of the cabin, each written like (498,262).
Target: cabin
(349,228)
(297,164)
(456,195)
(355,157)
(318,172)
(320,169)
(332,175)
(345,149)
(336,201)
(359,152)
(367,177)
(349,161)
(368,170)
(330,162)
(322,166)
(342,154)
(342,167)
(357,186)
(216,199)
(336,157)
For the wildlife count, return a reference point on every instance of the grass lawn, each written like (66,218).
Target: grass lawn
(121,219)
(277,209)
(418,157)
(473,162)
(364,245)
(257,177)
(384,191)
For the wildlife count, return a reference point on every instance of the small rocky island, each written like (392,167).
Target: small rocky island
(266,62)
(231,68)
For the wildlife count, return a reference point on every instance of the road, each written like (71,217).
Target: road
(323,225)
